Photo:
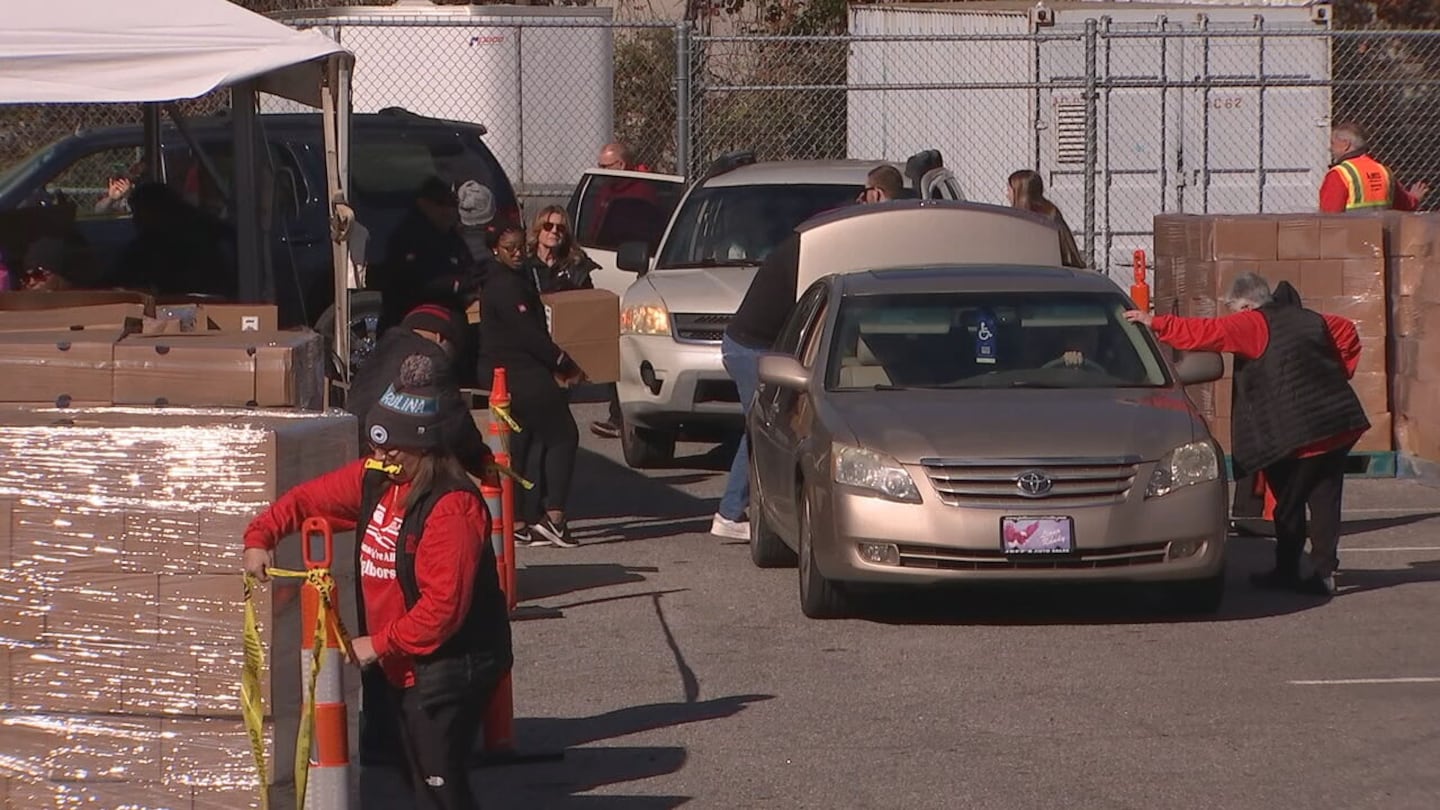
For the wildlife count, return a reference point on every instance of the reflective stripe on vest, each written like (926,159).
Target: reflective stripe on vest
(1367,183)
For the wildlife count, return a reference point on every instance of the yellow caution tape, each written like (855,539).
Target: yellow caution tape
(502,412)
(502,469)
(253,709)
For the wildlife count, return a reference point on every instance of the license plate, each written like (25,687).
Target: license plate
(1037,535)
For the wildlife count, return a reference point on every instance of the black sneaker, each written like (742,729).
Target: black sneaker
(525,537)
(554,532)
(1275,580)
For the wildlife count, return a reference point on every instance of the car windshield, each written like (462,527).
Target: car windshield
(740,225)
(990,340)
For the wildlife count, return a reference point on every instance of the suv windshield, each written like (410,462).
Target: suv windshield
(990,340)
(740,225)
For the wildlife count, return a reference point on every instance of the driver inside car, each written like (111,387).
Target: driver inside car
(1081,347)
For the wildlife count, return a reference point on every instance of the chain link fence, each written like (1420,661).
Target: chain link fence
(1123,119)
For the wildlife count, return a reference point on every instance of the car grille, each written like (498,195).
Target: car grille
(958,559)
(1077,482)
(700,327)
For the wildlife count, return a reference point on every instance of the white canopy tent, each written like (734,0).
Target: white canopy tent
(157,51)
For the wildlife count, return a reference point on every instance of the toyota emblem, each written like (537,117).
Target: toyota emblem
(1034,484)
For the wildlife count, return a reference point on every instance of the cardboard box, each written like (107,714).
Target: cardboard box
(75,538)
(1373,389)
(1224,397)
(1363,277)
(155,541)
(1408,273)
(1252,238)
(1298,237)
(188,370)
(1374,356)
(1368,313)
(243,317)
(586,324)
(211,753)
(22,608)
(1352,236)
(241,369)
(58,367)
(1203,396)
(101,317)
(41,794)
(101,609)
(67,679)
(33,301)
(1413,234)
(1321,278)
(1171,233)
(1220,429)
(1379,438)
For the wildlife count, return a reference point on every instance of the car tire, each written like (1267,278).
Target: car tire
(820,598)
(1199,597)
(364,331)
(645,448)
(767,550)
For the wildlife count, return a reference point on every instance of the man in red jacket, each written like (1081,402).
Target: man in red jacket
(1295,415)
(1358,182)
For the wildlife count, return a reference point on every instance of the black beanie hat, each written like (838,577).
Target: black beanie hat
(408,413)
(435,318)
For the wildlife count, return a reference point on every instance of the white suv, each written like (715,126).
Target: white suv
(672,318)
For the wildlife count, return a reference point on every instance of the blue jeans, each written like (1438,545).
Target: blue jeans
(742,363)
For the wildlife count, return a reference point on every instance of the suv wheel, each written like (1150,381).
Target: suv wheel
(645,448)
(767,550)
(364,331)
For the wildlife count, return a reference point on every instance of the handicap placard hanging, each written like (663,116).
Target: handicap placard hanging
(985,338)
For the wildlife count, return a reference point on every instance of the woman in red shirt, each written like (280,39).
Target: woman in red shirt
(433,617)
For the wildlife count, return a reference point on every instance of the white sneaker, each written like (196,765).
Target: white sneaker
(722,526)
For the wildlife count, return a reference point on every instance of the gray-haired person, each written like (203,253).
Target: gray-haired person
(1295,416)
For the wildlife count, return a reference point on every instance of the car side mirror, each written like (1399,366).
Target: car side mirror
(784,371)
(1199,367)
(633,257)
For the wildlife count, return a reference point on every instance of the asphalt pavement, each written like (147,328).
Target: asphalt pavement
(664,670)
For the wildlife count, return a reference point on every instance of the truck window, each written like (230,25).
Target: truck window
(98,183)
(615,210)
(384,173)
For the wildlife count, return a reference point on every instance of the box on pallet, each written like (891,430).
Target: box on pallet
(119,596)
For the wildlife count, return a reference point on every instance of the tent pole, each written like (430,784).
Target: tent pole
(247,207)
(150,115)
(330,100)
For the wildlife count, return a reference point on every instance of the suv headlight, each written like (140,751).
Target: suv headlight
(1193,463)
(645,319)
(876,472)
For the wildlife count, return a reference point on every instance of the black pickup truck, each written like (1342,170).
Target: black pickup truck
(390,153)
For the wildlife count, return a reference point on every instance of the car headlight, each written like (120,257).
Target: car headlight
(645,319)
(1193,463)
(876,472)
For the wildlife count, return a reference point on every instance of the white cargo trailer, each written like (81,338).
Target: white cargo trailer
(1195,126)
(539,78)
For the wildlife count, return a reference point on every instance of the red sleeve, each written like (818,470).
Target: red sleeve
(452,546)
(1403,200)
(1333,194)
(334,496)
(1347,341)
(1243,333)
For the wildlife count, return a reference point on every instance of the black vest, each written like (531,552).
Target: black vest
(486,628)
(1294,394)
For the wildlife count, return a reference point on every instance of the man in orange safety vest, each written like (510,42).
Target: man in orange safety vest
(1358,182)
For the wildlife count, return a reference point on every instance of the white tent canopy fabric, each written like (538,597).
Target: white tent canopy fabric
(85,51)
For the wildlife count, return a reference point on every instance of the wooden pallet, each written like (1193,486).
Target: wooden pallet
(1358,465)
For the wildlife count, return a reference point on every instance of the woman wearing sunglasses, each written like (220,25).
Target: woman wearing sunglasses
(556,263)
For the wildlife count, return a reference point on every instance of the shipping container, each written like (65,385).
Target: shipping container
(539,78)
(1189,116)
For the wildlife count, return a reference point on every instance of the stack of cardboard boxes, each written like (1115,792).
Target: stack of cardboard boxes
(1337,263)
(1415,327)
(120,600)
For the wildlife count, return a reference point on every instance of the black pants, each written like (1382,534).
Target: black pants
(545,448)
(1317,482)
(616,417)
(439,719)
